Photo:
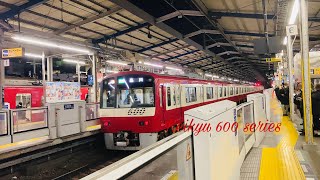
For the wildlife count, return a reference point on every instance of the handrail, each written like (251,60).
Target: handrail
(26,109)
(138,159)
(92,103)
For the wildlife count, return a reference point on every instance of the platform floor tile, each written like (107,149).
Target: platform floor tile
(281,162)
(250,167)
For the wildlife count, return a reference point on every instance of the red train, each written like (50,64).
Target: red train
(29,96)
(140,108)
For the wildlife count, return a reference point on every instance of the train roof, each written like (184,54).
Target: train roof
(165,76)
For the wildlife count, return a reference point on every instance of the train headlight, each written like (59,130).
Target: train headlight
(106,124)
(143,123)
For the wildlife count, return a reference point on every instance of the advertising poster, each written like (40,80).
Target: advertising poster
(62,91)
(51,95)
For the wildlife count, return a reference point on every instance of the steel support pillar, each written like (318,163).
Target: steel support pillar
(94,76)
(44,76)
(78,73)
(306,81)
(49,69)
(290,73)
(2,79)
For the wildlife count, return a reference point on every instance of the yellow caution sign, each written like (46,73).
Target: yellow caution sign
(188,156)
(315,71)
(12,52)
(273,59)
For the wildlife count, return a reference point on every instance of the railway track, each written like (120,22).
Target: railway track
(70,163)
(87,169)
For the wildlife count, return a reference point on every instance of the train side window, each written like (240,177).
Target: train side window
(160,95)
(231,91)
(168,96)
(224,91)
(191,94)
(237,90)
(209,92)
(23,100)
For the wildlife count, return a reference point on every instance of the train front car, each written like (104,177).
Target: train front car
(128,111)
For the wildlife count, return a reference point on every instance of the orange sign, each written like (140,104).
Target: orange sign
(12,52)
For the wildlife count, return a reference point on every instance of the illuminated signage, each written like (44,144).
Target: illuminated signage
(121,81)
(315,71)
(12,52)
(273,59)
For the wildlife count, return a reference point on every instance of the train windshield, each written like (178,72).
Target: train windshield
(130,91)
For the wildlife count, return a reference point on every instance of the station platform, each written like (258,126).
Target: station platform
(33,129)
(280,156)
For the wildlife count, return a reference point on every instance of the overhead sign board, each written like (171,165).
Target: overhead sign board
(12,52)
(273,59)
(315,71)
(292,30)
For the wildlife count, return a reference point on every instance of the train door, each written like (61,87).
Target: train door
(178,102)
(172,113)
(162,97)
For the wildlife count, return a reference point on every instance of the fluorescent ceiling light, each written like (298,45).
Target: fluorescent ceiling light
(33,55)
(39,42)
(285,40)
(216,77)
(74,61)
(154,65)
(294,12)
(172,68)
(110,71)
(209,75)
(118,63)
(229,79)
(236,80)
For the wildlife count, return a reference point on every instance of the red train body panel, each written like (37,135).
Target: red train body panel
(36,92)
(160,117)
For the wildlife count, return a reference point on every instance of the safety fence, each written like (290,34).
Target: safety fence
(27,123)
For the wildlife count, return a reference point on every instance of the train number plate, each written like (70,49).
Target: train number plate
(68,106)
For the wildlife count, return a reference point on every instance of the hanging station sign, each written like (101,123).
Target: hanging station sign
(273,59)
(315,71)
(12,52)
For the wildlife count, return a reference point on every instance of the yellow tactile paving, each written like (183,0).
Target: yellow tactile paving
(23,142)
(281,162)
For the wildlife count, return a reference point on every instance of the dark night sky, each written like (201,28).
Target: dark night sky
(19,67)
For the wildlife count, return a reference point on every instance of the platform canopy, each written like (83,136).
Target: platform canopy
(214,36)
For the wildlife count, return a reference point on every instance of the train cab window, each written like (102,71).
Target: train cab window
(231,91)
(168,96)
(130,91)
(191,94)
(135,91)
(23,100)
(108,93)
(209,92)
